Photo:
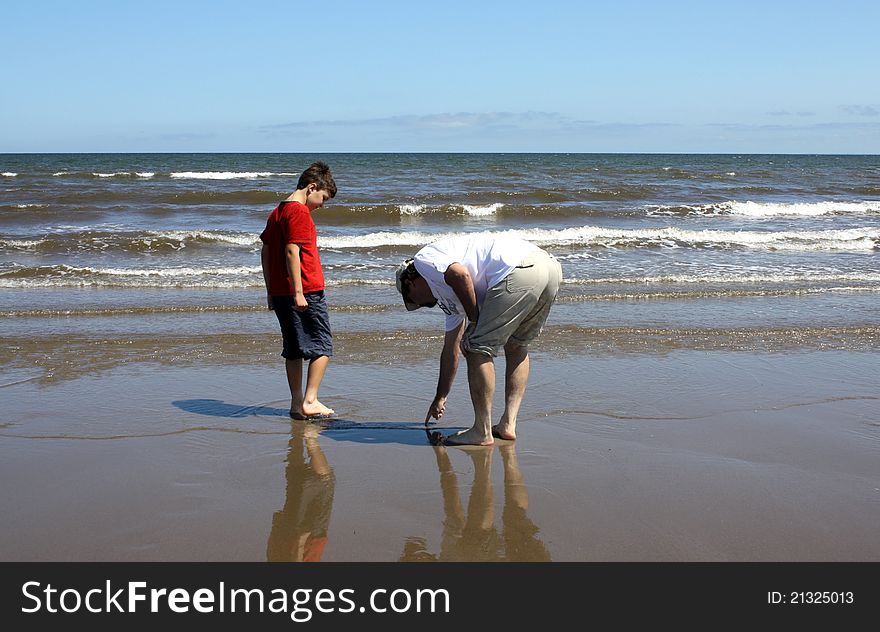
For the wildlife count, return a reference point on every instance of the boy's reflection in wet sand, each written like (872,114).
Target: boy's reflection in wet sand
(472,536)
(299,530)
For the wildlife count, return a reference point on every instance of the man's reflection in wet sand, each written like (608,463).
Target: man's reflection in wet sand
(299,530)
(471,535)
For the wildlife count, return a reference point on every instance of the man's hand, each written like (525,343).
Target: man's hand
(269,301)
(300,303)
(465,344)
(436,410)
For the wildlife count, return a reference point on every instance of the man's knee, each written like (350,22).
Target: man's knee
(479,358)
(513,346)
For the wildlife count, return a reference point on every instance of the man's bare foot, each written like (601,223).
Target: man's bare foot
(469,437)
(311,432)
(316,408)
(310,412)
(502,431)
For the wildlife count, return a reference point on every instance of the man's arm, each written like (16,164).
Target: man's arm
(294,271)
(448,368)
(459,279)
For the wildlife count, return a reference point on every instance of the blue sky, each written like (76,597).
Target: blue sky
(580,76)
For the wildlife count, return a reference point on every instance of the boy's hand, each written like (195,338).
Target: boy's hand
(269,301)
(300,303)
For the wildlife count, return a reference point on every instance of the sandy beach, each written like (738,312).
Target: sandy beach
(706,389)
(679,455)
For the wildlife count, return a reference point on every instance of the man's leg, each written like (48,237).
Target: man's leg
(310,403)
(294,368)
(452,508)
(481,380)
(481,506)
(516,376)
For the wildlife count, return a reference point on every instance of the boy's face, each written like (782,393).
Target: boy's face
(316,197)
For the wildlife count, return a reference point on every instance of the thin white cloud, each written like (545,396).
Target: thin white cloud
(452,122)
(744,127)
(447,120)
(551,131)
(787,113)
(862,110)
(186,136)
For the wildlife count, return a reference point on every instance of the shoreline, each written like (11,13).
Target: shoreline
(684,456)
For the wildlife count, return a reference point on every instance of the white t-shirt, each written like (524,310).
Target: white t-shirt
(488,259)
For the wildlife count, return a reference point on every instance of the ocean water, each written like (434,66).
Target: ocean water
(706,384)
(727,249)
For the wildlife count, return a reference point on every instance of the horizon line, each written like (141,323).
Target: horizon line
(515,153)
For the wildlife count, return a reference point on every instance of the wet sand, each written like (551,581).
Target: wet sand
(679,456)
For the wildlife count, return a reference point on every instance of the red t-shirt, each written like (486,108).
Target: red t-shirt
(292,223)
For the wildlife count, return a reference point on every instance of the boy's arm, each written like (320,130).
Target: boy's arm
(448,368)
(459,279)
(264,260)
(300,303)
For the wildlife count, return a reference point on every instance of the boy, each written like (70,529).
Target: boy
(295,288)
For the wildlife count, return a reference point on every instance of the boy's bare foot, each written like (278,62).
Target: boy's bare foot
(469,437)
(501,431)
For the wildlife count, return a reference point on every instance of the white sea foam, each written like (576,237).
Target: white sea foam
(173,272)
(141,283)
(735,278)
(111,175)
(145,174)
(239,239)
(355,281)
(411,209)
(773,209)
(31,205)
(374,240)
(61,173)
(76,276)
(20,243)
(754,209)
(482,211)
(853,240)
(221,175)
(9,174)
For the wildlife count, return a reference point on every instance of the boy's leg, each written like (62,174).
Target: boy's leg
(310,404)
(316,343)
(294,369)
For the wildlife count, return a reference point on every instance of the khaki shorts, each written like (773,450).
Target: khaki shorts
(516,308)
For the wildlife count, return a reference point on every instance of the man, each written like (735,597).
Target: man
(496,293)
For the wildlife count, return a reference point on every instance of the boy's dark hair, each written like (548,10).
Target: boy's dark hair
(319,173)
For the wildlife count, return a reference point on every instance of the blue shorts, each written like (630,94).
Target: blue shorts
(306,335)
